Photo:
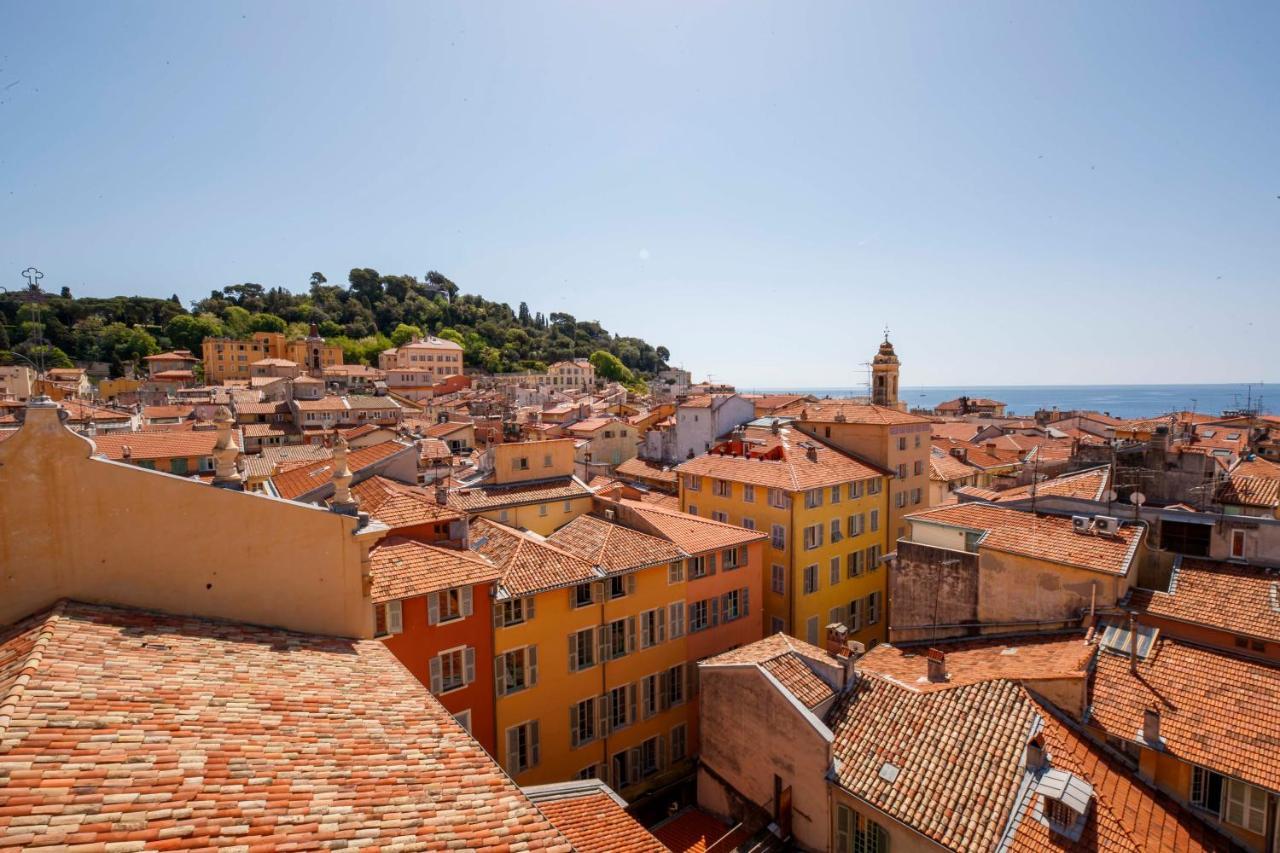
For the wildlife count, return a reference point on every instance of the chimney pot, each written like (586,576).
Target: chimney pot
(836,636)
(937,660)
(1037,759)
(1151,726)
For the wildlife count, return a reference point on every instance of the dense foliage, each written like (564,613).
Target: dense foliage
(369,314)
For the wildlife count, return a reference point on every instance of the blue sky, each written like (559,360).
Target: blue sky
(1026,193)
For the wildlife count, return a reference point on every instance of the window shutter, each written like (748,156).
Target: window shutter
(631,702)
(498,620)
(528,607)
(664,685)
(633,764)
(513,750)
(436,679)
(573,725)
(597,592)
(742,555)
(677,619)
(662,624)
(714,607)
(395,617)
(631,584)
(855,615)
(469,665)
(466,601)
(602,714)
(433,608)
(646,635)
(500,676)
(534,746)
(531,660)
(573,652)
(573,598)
(746,600)
(631,634)
(603,642)
(662,752)
(711,563)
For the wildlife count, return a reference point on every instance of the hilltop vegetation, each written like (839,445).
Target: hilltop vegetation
(368,314)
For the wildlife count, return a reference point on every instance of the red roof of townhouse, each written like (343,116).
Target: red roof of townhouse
(1047,538)
(1090,485)
(788,460)
(644,469)
(529,564)
(1243,600)
(612,547)
(141,730)
(172,355)
(296,479)
(849,411)
(405,568)
(695,831)
(155,445)
(593,817)
(692,533)
(398,505)
(167,411)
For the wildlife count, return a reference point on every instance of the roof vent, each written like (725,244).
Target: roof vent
(889,772)
(937,660)
(1037,758)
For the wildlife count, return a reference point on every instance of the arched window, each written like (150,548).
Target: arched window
(856,834)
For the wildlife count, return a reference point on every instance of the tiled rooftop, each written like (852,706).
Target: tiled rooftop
(643,469)
(593,818)
(1216,710)
(399,505)
(972,661)
(692,533)
(794,674)
(611,546)
(694,831)
(155,445)
(528,563)
(405,568)
(488,496)
(788,460)
(835,411)
(294,480)
(1090,485)
(129,730)
(1228,596)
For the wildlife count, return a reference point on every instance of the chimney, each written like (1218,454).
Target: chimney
(1037,758)
(836,637)
(991,447)
(811,452)
(1151,727)
(774,426)
(1133,641)
(937,665)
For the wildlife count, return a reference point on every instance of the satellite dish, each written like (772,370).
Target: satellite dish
(1111,495)
(1137,498)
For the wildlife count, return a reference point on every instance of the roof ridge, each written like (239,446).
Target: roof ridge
(44,635)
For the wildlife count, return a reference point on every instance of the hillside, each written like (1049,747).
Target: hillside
(366,315)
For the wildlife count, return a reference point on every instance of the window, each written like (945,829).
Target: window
(584,594)
(693,509)
(732,558)
(873,558)
(583,718)
(675,572)
(653,627)
(731,604)
(853,564)
(622,706)
(1117,639)
(178,466)
(693,482)
(1246,805)
(902,443)
(394,616)
(513,611)
(812,537)
(915,496)
(919,467)
(675,685)
(622,585)
(546,461)
(776,625)
(778,581)
(857,524)
(648,696)
(620,637)
(582,649)
(810,579)
(721,517)
(749,523)
(873,608)
(835,570)
(835,494)
(697,567)
(452,670)
(624,765)
(516,670)
(855,491)
(650,756)
(813,499)
(699,616)
(778,537)
(917,440)
(448,605)
(811,630)
(520,463)
(675,617)
(857,834)
(542,510)
(568,506)
(721,488)
(836,535)
(874,487)
(748,493)
(679,742)
(875,520)
(778,498)
(522,747)
(1237,542)
(900,499)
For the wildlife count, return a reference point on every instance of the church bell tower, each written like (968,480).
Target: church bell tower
(884,376)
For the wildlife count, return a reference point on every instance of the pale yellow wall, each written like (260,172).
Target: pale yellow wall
(532,517)
(101,531)
(900,837)
(1014,587)
(560,465)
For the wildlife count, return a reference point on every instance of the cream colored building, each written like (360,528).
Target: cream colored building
(435,357)
(578,373)
(16,381)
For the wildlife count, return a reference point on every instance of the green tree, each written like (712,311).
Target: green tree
(403,334)
(187,331)
(236,321)
(452,335)
(266,323)
(608,366)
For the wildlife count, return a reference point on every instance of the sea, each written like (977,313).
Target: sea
(1121,401)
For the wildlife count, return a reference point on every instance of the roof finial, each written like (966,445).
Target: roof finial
(343,501)
(886,333)
(225,452)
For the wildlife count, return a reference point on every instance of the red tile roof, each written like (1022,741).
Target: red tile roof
(849,411)
(973,661)
(155,445)
(405,568)
(1216,710)
(612,547)
(593,818)
(1090,485)
(1043,537)
(781,461)
(1261,492)
(643,469)
(692,533)
(1228,596)
(398,505)
(162,731)
(529,564)
(484,497)
(694,831)
(294,480)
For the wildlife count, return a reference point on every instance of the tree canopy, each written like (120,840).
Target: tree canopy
(370,313)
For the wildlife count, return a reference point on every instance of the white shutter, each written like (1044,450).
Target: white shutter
(395,617)
(497,614)
(631,634)
(631,584)
(602,714)
(466,601)
(677,619)
(433,608)
(646,636)
(631,703)
(528,608)
(513,750)
(436,679)
(469,665)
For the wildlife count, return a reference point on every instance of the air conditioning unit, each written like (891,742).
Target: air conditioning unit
(1080,523)
(1108,525)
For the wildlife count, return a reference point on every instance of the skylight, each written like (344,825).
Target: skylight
(1115,638)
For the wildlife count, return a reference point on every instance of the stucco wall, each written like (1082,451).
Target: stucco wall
(100,531)
(750,732)
(931,585)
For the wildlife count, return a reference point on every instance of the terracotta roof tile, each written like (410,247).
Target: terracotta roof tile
(789,460)
(1228,596)
(1262,492)
(848,411)
(694,831)
(643,469)
(794,674)
(292,481)
(767,649)
(1090,485)
(155,445)
(612,547)
(178,731)
(398,505)
(593,818)
(528,563)
(691,533)
(973,661)
(405,568)
(488,496)
(1216,710)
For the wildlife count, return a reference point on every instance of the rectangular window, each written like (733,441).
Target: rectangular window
(916,495)
(919,468)
(620,637)
(394,616)
(621,586)
(622,706)
(835,570)
(649,760)
(568,506)
(653,627)
(732,558)
(582,649)
(836,534)
(900,499)
(582,722)
(693,482)
(875,520)
(522,747)
(902,443)
(697,567)
(812,537)
(778,537)
(449,670)
(748,493)
(721,488)
(857,525)
(835,494)
(1237,542)
(873,609)
(813,499)
(853,564)
(675,572)
(778,498)
(811,630)
(855,490)
(515,670)
(810,579)
(749,523)
(675,616)
(1246,805)
(648,696)
(679,742)
(721,517)
(778,581)
(699,616)
(776,625)
(874,487)
(675,678)
(873,558)
(731,605)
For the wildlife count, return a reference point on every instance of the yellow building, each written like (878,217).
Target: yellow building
(825,513)
(530,486)
(435,357)
(225,358)
(591,675)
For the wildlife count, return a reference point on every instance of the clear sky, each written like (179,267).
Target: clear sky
(1027,193)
